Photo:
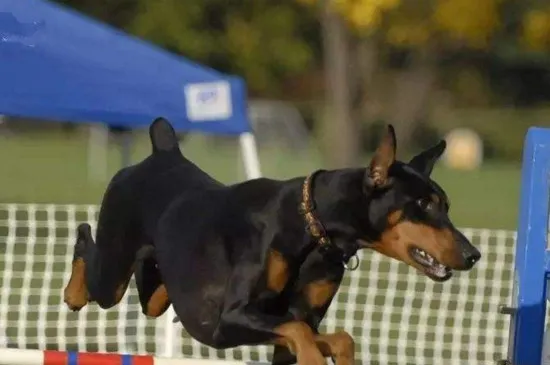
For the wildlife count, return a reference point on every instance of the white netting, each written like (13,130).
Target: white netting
(396,315)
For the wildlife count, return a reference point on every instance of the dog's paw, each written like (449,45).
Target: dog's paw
(75,300)
(84,231)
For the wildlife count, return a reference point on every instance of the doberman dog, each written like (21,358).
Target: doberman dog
(260,261)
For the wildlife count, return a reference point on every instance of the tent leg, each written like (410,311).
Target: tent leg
(98,145)
(126,148)
(250,155)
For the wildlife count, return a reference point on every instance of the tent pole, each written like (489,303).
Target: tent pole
(98,145)
(250,157)
(126,148)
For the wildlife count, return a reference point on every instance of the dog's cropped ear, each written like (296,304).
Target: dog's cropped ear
(424,162)
(376,175)
(163,137)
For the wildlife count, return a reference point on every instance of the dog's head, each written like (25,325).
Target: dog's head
(409,213)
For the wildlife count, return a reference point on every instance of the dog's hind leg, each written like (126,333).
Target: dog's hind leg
(153,296)
(98,274)
(76,292)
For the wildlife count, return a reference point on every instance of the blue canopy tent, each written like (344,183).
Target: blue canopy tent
(56,64)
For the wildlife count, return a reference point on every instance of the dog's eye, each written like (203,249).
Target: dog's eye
(425,204)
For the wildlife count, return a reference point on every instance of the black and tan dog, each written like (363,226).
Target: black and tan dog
(259,262)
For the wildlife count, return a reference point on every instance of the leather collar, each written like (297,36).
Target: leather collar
(316,229)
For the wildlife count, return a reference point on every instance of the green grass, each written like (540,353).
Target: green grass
(487,198)
(52,168)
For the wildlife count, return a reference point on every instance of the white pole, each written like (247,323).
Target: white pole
(21,357)
(98,144)
(250,156)
(169,332)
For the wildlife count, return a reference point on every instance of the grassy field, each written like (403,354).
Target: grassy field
(52,168)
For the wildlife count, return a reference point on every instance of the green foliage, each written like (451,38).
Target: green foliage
(114,12)
(265,42)
(415,22)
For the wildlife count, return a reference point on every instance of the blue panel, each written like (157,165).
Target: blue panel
(531,249)
(57,64)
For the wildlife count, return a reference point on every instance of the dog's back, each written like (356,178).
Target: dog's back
(142,192)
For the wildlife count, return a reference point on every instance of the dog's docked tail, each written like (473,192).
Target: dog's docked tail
(163,137)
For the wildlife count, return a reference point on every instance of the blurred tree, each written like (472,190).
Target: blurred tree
(338,131)
(421,32)
(344,76)
(263,41)
(118,13)
(398,46)
(535,27)
(258,39)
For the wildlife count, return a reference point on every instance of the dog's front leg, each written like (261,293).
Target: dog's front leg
(243,322)
(264,329)
(300,340)
(340,346)
(313,295)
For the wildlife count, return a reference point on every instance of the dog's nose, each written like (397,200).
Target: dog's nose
(472,257)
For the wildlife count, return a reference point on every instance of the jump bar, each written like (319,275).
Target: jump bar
(48,357)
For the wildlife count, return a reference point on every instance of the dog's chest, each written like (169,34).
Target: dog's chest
(311,285)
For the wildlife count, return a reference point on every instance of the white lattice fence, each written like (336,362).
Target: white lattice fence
(396,315)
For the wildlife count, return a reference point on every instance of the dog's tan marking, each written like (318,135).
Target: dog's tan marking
(158,303)
(394,218)
(450,255)
(76,291)
(299,338)
(439,243)
(339,345)
(277,271)
(319,292)
(435,198)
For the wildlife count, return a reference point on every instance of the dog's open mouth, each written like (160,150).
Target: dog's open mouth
(432,268)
